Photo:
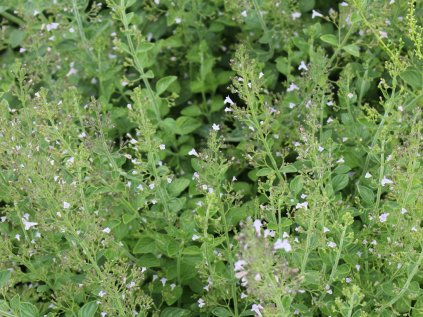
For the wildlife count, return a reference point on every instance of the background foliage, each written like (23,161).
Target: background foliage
(211,158)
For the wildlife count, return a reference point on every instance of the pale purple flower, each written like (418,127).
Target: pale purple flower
(282,244)
(383,217)
(386,181)
(316,14)
(257,226)
(228,100)
(256,308)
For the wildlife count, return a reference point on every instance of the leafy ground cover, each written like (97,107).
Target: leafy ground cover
(211,158)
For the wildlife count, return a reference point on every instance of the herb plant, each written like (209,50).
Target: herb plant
(211,158)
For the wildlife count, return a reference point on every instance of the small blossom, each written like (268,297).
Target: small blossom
(325,230)
(178,20)
(195,237)
(101,293)
(331,244)
(162,146)
(66,205)
(386,181)
(18,237)
(291,105)
(52,26)
(383,217)
(106,230)
(215,127)
(344,4)
(303,66)
(320,148)
(244,13)
(201,303)
(368,175)
(316,14)
(228,100)
(348,280)
(261,74)
(256,308)
(292,87)
(403,211)
(282,244)
(193,152)
(163,280)
(295,15)
(257,226)
(302,205)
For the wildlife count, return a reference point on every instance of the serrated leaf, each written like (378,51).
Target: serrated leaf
(145,245)
(413,77)
(221,312)
(175,312)
(4,277)
(264,171)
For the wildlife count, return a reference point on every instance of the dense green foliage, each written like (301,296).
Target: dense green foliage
(211,158)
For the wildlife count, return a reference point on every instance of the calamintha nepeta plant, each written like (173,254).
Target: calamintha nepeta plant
(211,158)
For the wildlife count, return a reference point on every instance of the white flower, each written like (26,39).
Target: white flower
(201,303)
(325,230)
(350,95)
(261,75)
(358,266)
(52,26)
(316,14)
(292,87)
(195,237)
(151,186)
(106,230)
(256,308)
(244,13)
(302,205)
(348,280)
(101,293)
(386,181)
(368,175)
(282,244)
(239,265)
(228,100)
(383,217)
(295,15)
(215,127)
(140,187)
(403,211)
(331,244)
(227,109)
(162,146)
(193,152)
(66,205)
(178,20)
(243,295)
(18,237)
(303,66)
(257,226)
(341,160)
(268,232)
(291,105)
(103,314)
(163,280)
(344,4)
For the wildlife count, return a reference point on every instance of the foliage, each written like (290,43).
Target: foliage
(211,158)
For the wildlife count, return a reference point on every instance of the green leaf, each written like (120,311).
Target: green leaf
(88,310)
(164,83)
(330,39)
(352,49)
(178,186)
(282,65)
(340,182)
(145,47)
(366,194)
(186,125)
(413,77)
(175,312)
(28,310)
(288,169)
(4,277)
(264,171)
(171,296)
(296,185)
(145,245)
(221,312)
